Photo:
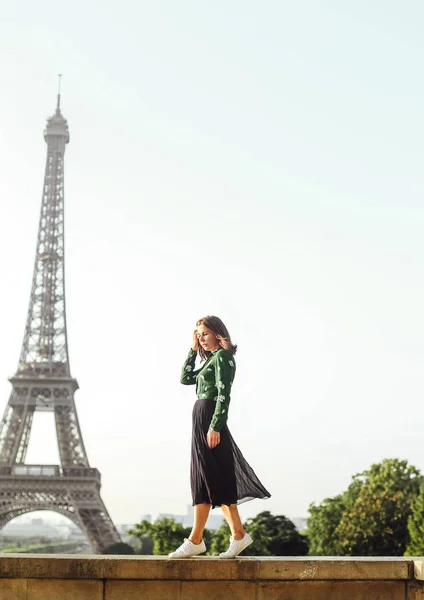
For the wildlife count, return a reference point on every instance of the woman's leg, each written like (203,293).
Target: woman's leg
(231,513)
(201,513)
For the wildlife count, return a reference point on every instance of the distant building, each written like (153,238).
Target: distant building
(177,518)
(34,529)
(213,522)
(75,534)
(123,528)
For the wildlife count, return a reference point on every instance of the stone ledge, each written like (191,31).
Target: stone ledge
(78,567)
(72,577)
(419,568)
(68,589)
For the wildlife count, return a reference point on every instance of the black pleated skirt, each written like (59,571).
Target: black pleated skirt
(220,475)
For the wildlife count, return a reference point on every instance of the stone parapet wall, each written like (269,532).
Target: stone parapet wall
(54,577)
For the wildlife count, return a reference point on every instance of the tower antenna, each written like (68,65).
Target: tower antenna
(58,91)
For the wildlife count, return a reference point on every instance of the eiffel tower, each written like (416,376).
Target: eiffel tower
(43,382)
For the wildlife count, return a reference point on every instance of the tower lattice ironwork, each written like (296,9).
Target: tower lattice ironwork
(43,382)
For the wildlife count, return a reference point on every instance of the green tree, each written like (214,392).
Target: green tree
(220,540)
(371,517)
(119,548)
(275,536)
(416,526)
(166,534)
(326,517)
(145,545)
(376,523)
(321,525)
(207,538)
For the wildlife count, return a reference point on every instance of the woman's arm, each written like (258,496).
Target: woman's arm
(188,374)
(224,375)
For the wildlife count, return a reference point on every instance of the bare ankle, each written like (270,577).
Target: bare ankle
(195,540)
(239,534)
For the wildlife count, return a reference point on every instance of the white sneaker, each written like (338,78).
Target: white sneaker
(237,546)
(188,549)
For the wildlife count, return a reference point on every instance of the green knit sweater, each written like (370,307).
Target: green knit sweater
(213,381)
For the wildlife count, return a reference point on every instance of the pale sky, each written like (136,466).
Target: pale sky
(261,161)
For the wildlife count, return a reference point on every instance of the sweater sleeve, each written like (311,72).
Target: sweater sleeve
(188,374)
(224,376)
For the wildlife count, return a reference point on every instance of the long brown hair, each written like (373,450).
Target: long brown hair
(218,328)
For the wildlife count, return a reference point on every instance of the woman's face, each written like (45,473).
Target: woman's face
(207,339)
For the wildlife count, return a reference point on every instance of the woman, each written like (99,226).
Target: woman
(219,474)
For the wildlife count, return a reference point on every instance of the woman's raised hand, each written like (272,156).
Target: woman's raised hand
(195,342)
